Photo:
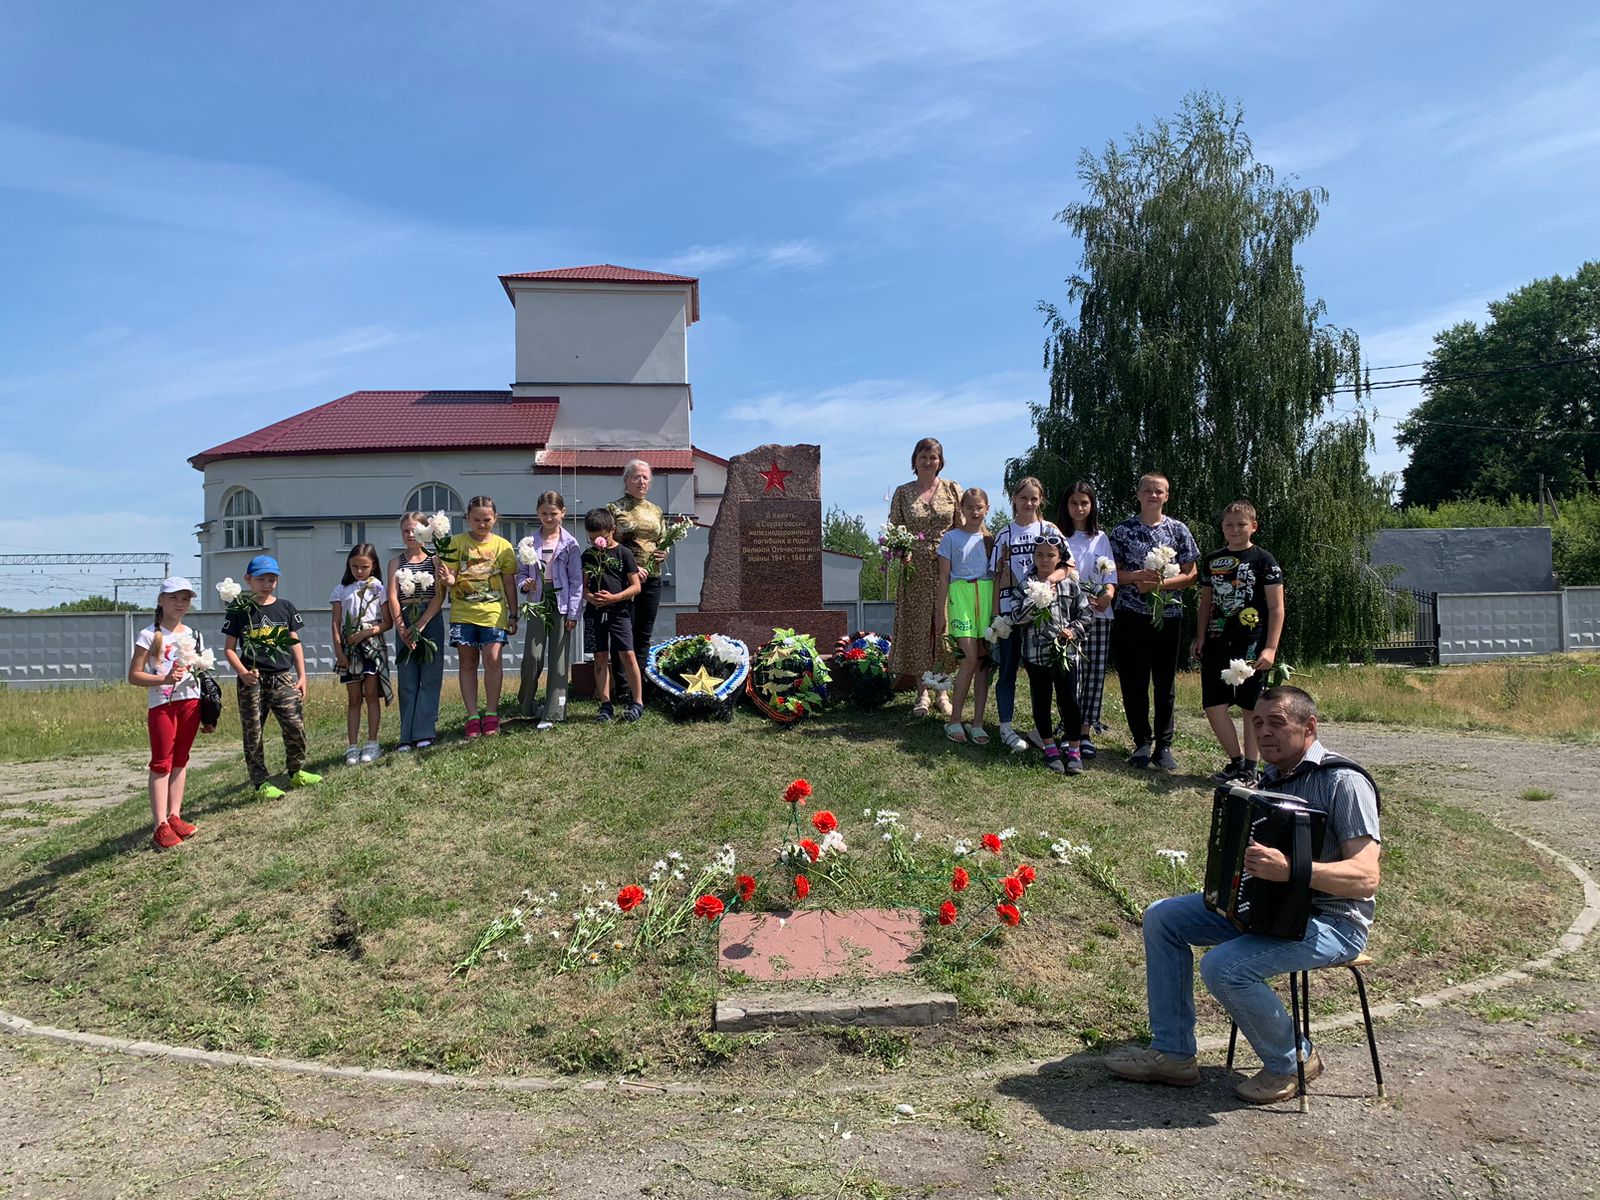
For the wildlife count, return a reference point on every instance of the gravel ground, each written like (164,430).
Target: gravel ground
(1493,1098)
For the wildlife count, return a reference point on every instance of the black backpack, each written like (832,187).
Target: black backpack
(210,691)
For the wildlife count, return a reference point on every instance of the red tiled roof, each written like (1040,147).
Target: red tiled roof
(609,273)
(706,454)
(615,460)
(372,422)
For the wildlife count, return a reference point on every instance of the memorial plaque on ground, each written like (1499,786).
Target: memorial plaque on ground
(764,559)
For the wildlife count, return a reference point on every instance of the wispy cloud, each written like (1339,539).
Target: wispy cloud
(789,254)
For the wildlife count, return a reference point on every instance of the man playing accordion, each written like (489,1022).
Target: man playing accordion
(1343,880)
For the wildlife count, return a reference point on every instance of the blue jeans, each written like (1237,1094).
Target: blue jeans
(1235,972)
(418,683)
(1009,652)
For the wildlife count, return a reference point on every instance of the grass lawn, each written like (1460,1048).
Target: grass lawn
(326,924)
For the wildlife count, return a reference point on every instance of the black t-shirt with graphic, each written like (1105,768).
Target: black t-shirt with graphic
(263,616)
(609,570)
(1236,580)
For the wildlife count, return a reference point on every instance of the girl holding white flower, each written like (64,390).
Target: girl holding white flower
(416,611)
(1156,557)
(1052,618)
(550,582)
(1097,573)
(359,617)
(167,655)
(1012,562)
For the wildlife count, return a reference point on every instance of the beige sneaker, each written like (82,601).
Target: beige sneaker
(1265,1087)
(1152,1066)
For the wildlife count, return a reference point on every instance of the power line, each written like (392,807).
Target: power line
(1464,425)
(75,560)
(1431,380)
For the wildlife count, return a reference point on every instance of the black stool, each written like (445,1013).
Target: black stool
(1300,1014)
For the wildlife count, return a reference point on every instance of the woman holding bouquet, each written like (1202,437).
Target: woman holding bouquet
(927,507)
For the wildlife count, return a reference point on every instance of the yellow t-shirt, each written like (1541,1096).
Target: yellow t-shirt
(478,595)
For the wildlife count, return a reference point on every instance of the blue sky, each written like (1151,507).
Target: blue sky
(213,216)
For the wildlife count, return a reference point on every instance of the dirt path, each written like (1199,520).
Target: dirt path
(1494,1099)
(44,795)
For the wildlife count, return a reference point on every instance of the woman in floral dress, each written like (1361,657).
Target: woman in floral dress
(927,506)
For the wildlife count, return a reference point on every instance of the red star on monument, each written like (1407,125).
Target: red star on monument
(774,477)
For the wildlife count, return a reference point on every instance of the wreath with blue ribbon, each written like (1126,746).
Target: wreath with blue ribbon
(701,676)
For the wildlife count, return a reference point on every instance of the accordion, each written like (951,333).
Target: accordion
(1239,816)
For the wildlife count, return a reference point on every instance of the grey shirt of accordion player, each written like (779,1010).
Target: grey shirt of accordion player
(1352,808)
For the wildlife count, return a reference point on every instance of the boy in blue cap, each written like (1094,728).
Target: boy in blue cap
(271,665)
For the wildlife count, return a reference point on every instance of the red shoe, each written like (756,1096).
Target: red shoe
(491,725)
(474,727)
(181,827)
(164,838)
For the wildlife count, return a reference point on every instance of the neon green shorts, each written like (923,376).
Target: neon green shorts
(970,608)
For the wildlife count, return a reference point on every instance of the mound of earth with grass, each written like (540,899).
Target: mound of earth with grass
(327,925)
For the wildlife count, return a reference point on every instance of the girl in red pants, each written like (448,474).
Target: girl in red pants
(164,657)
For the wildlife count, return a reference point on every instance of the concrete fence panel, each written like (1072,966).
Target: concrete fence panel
(1477,626)
(1583,618)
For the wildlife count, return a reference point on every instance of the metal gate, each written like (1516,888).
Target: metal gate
(1413,628)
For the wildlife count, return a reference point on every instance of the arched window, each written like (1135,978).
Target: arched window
(435,497)
(241,521)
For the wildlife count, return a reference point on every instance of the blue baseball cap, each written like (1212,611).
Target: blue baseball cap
(263,564)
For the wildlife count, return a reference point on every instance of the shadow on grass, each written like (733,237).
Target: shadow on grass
(1078,1093)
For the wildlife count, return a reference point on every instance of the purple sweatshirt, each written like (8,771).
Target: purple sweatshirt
(566,573)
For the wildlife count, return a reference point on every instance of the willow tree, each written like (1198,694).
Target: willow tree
(1187,345)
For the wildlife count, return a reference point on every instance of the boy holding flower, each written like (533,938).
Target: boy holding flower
(1240,622)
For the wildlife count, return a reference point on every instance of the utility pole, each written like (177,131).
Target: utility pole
(118,584)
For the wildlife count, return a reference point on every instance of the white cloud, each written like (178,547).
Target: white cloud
(790,254)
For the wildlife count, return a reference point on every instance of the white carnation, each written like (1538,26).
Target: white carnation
(832,843)
(1237,673)
(229,590)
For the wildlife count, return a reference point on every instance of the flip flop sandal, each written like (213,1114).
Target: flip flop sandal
(919,709)
(976,735)
(956,733)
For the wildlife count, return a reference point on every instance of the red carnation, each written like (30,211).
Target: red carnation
(992,843)
(630,897)
(1013,887)
(948,913)
(959,880)
(813,851)
(855,655)
(708,907)
(746,885)
(797,792)
(825,821)
(802,887)
(1027,874)
(1009,913)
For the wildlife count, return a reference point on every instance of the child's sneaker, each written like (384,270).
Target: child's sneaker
(181,827)
(403,748)
(424,743)
(1074,762)
(1009,739)
(1140,758)
(1033,736)
(352,755)
(491,725)
(1053,760)
(474,727)
(605,714)
(371,752)
(304,778)
(633,712)
(267,791)
(1086,748)
(163,838)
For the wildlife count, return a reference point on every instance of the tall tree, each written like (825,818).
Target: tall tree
(846,532)
(1514,399)
(1194,350)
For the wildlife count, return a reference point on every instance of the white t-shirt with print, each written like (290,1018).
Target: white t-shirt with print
(1015,544)
(1087,550)
(188,688)
(361,602)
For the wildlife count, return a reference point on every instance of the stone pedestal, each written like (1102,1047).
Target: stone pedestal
(764,560)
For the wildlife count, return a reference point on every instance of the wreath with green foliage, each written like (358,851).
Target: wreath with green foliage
(788,677)
(860,668)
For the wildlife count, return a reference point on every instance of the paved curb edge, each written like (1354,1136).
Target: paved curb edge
(1578,932)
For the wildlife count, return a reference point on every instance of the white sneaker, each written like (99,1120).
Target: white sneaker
(371,752)
(1013,743)
(352,756)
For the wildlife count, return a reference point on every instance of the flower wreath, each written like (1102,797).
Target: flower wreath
(684,667)
(788,677)
(860,668)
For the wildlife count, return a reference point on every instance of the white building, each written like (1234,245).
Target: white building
(601,378)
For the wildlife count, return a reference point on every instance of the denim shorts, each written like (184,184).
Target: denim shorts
(477,635)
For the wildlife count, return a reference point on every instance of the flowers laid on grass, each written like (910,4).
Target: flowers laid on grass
(797,792)
(788,677)
(860,668)
(708,908)
(700,675)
